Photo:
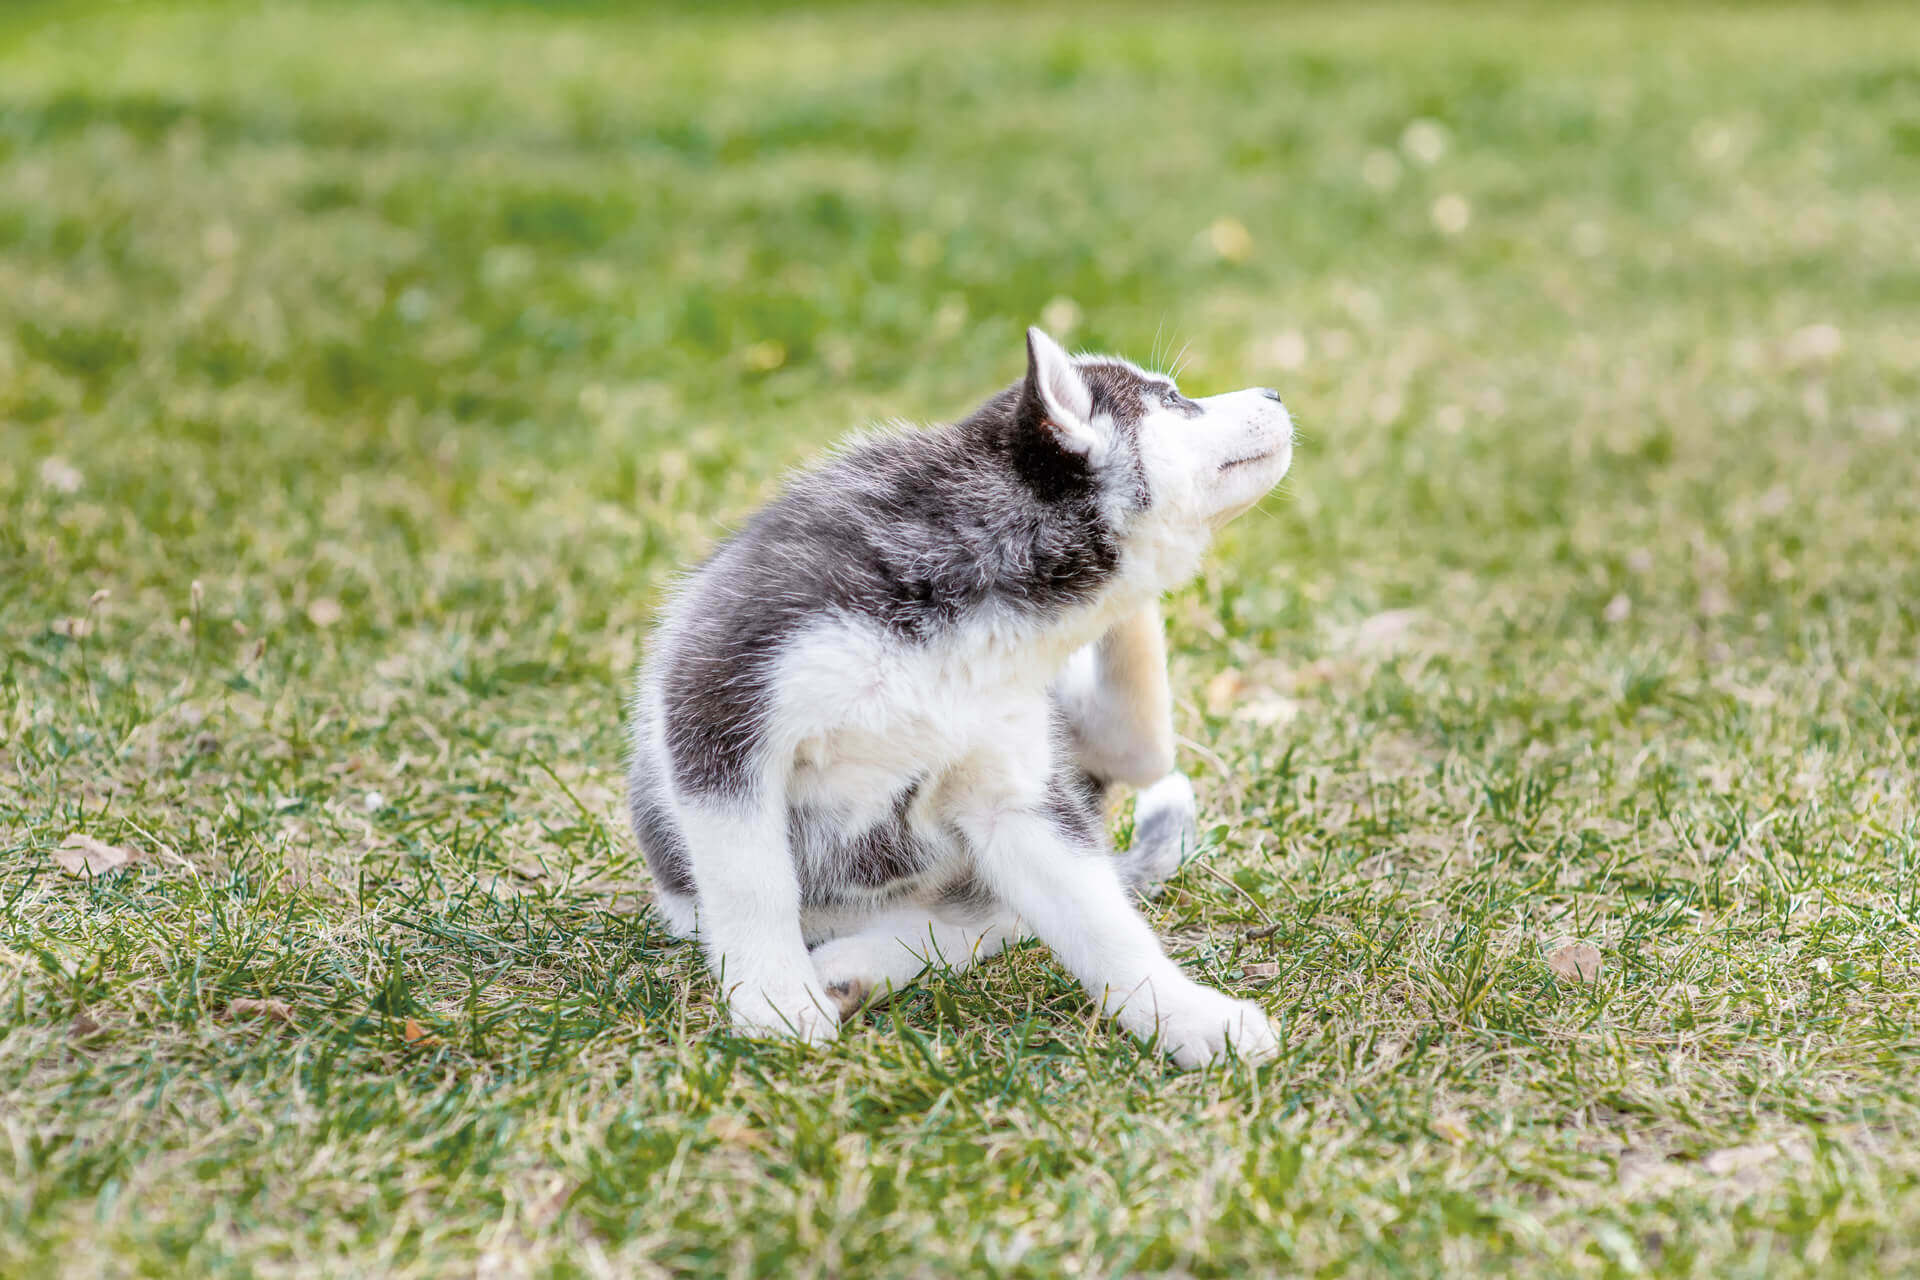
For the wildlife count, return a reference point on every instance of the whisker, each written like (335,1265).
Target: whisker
(1261,506)
(1180,361)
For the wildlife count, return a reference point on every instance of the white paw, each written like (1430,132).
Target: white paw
(804,1013)
(1197,1025)
(1166,832)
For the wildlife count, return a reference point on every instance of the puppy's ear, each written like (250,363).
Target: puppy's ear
(1057,396)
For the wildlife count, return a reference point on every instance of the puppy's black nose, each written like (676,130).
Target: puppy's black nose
(1269,393)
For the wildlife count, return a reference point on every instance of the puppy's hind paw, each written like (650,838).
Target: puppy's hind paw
(847,970)
(1166,832)
(849,994)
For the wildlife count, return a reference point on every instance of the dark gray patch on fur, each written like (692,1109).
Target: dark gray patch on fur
(969,896)
(1119,390)
(1076,806)
(653,826)
(1125,395)
(886,852)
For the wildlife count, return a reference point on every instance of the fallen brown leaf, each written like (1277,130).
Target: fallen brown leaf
(1575,961)
(1318,672)
(1262,969)
(735,1132)
(1222,689)
(414,1033)
(83,1028)
(82,855)
(553,1204)
(247,1007)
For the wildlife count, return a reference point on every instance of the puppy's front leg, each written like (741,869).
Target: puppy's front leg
(1072,899)
(749,917)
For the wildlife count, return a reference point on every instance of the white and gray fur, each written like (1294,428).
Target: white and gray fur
(877,729)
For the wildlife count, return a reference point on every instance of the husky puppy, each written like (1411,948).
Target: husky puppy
(875,731)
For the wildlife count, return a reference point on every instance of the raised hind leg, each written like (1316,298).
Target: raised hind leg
(1117,705)
(1119,713)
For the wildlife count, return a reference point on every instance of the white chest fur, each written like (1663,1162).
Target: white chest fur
(868,716)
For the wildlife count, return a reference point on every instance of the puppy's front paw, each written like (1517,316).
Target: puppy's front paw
(1198,1025)
(804,1013)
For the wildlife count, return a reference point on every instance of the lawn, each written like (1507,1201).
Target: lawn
(367,372)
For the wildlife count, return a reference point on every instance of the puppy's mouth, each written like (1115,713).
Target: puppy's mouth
(1248,460)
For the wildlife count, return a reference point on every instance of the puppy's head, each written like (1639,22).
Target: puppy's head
(1154,459)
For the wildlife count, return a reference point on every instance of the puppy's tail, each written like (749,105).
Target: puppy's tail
(1166,832)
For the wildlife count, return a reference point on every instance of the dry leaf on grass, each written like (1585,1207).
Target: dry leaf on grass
(81,855)
(83,1028)
(1575,961)
(247,1007)
(735,1132)
(1222,690)
(414,1033)
(1262,969)
(544,1210)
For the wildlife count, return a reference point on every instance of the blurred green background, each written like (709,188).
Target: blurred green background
(367,371)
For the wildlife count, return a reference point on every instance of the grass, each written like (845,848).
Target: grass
(366,372)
